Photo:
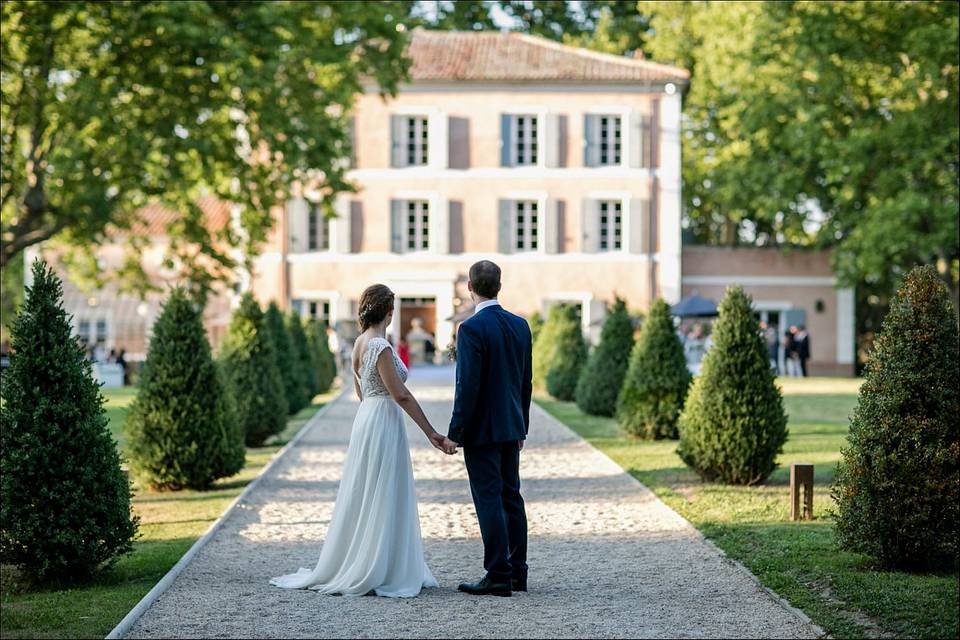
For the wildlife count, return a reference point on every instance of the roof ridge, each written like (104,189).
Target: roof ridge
(598,55)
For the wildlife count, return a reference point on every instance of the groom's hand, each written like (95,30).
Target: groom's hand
(449,446)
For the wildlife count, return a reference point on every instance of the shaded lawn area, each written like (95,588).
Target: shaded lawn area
(840,591)
(170,523)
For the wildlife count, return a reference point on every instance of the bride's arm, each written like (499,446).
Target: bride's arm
(354,365)
(398,390)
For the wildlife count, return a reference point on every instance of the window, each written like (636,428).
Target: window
(92,332)
(611,225)
(83,332)
(526,215)
(316,309)
(409,140)
(416,141)
(524,141)
(318,229)
(609,140)
(417,225)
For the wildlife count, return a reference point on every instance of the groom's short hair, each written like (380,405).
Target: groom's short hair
(485,279)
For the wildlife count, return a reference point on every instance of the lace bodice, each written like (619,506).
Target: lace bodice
(371,384)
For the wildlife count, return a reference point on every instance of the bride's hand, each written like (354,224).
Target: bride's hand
(442,443)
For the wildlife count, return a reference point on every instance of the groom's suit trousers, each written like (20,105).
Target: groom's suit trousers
(494,471)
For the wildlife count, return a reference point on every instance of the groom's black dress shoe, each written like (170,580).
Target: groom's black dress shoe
(518,584)
(486,587)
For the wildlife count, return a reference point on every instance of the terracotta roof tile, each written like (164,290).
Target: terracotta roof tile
(493,55)
(154,219)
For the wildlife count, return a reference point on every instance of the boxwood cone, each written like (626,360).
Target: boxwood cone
(733,426)
(657,381)
(182,427)
(250,362)
(64,501)
(603,375)
(897,486)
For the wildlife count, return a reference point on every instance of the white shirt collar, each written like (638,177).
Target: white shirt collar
(486,303)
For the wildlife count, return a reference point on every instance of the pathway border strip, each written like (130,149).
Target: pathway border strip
(141,607)
(737,565)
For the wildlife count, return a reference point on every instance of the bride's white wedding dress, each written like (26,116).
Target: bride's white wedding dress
(373,542)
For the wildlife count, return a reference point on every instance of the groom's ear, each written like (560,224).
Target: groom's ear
(469,286)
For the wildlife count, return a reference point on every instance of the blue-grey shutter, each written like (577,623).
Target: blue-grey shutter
(646,141)
(397,127)
(505,227)
(506,125)
(591,147)
(396,226)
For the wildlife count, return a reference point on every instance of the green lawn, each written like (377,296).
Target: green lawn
(170,523)
(800,561)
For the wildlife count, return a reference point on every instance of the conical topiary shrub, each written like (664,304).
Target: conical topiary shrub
(320,345)
(602,377)
(250,363)
(306,360)
(897,487)
(182,426)
(64,501)
(733,427)
(294,383)
(656,384)
(536,323)
(559,353)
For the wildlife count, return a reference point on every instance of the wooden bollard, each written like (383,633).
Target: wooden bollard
(801,479)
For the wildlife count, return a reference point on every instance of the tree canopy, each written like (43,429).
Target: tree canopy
(821,123)
(107,107)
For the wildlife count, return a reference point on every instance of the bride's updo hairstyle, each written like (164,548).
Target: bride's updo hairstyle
(375,303)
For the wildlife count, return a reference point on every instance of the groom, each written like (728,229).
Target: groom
(491,418)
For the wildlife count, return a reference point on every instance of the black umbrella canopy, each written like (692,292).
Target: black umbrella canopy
(695,307)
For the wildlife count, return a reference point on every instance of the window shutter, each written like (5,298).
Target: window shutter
(352,140)
(297,211)
(438,149)
(591,140)
(396,226)
(589,226)
(634,139)
(638,217)
(505,227)
(506,137)
(340,227)
(398,130)
(439,225)
(551,226)
(550,130)
(646,141)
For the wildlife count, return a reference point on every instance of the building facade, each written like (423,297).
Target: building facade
(560,164)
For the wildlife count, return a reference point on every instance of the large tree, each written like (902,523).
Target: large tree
(831,124)
(109,106)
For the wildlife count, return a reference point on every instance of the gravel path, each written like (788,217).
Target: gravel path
(607,558)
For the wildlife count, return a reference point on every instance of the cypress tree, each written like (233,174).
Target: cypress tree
(294,383)
(733,427)
(182,427)
(559,353)
(306,360)
(603,375)
(897,486)
(64,501)
(656,384)
(250,362)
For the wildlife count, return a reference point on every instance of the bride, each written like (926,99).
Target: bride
(373,543)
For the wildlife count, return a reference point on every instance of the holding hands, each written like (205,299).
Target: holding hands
(443,443)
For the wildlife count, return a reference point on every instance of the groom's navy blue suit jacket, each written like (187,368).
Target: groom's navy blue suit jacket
(494,379)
